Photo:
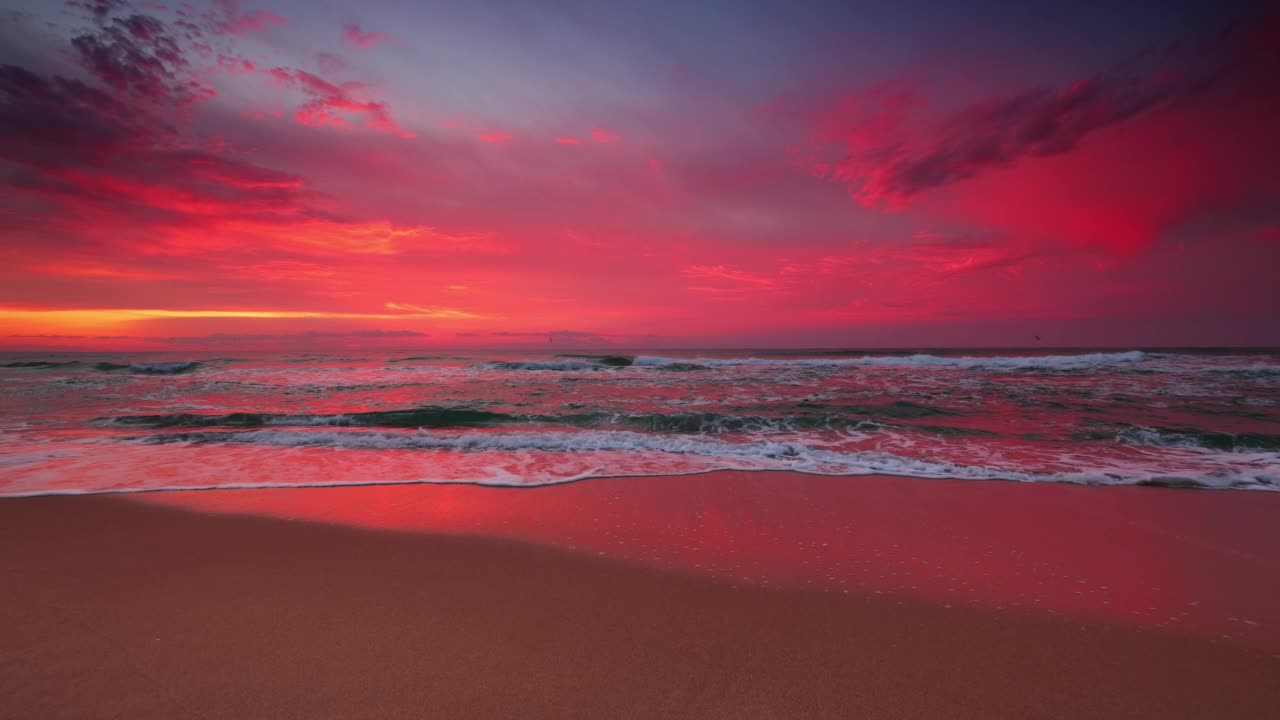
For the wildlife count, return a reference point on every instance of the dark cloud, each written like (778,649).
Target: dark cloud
(994,134)
(389,333)
(137,55)
(114,147)
(55,120)
(554,335)
(98,9)
(75,141)
(886,164)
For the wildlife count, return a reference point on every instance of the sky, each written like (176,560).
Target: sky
(277,174)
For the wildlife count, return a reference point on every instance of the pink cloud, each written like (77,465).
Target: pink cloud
(1114,160)
(239,22)
(728,280)
(329,99)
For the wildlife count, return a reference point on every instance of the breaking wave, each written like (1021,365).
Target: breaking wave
(753,455)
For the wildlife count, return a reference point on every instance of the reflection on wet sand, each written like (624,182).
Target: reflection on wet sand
(1202,563)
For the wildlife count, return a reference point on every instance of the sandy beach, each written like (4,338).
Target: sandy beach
(113,607)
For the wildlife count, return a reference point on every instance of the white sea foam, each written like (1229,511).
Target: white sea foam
(1263,468)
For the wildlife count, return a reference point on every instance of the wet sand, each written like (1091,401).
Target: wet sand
(1191,562)
(116,608)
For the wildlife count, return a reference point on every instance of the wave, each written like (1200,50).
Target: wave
(855,417)
(1258,370)
(566,362)
(159,368)
(422,417)
(561,365)
(1029,362)
(756,455)
(1192,438)
(610,360)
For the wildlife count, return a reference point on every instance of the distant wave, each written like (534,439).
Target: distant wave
(862,417)
(1042,362)
(562,365)
(756,455)
(160,368)
(420,417)
(1045,362)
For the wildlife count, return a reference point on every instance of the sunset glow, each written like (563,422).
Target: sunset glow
(921,174)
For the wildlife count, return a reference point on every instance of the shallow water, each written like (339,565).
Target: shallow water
(75,423)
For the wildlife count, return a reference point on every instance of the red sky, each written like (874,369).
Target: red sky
(282,174)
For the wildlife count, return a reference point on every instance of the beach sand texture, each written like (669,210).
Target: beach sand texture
(117,608)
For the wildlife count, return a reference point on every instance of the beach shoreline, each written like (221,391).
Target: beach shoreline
(117,607)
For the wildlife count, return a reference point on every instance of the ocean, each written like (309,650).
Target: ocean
(74,423)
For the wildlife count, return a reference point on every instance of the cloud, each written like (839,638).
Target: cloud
(431,311)
(110,156)
(237,337)
(885,167)
(551,336)
(142,56)
(55,119)
(235,21)
(99,9)
(738,280)
(895,148)
(306,339)
(137,55)
(353,35)
(374,333)
(330,103)
(950,254)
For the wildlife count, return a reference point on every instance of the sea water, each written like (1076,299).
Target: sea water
(86,423)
